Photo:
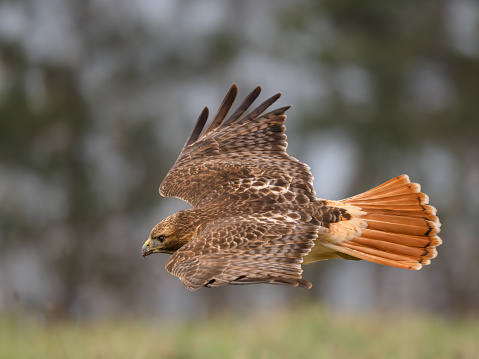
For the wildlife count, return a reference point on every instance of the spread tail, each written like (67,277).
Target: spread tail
(391,224)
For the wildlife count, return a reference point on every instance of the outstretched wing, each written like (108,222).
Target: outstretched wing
(241,158)
(257,248)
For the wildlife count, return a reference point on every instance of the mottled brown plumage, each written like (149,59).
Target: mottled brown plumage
(255,215)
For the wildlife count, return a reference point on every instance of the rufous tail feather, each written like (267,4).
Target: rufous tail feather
(391,224)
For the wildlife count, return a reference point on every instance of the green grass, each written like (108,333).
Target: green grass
(308,332)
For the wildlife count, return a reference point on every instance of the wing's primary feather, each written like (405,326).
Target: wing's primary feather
(200,123)
(223,109)
(248,101)
(261,108)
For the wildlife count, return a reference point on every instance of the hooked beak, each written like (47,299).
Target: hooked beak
(146,250)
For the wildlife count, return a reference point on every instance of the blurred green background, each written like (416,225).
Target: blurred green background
(97,98)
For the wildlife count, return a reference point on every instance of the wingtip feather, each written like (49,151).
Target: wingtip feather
(223,110)
(200,123)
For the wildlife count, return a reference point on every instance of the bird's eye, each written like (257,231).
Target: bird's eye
(161,239)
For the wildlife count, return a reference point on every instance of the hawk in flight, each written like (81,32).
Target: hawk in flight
(255,215)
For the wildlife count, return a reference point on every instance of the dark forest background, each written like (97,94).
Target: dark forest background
(97,98)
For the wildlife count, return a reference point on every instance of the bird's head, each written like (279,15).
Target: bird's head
(169,235)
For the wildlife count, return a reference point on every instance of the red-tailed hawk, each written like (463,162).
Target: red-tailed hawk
(255,215)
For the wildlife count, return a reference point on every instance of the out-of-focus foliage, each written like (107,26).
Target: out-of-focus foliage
(298,333)
(97,98)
